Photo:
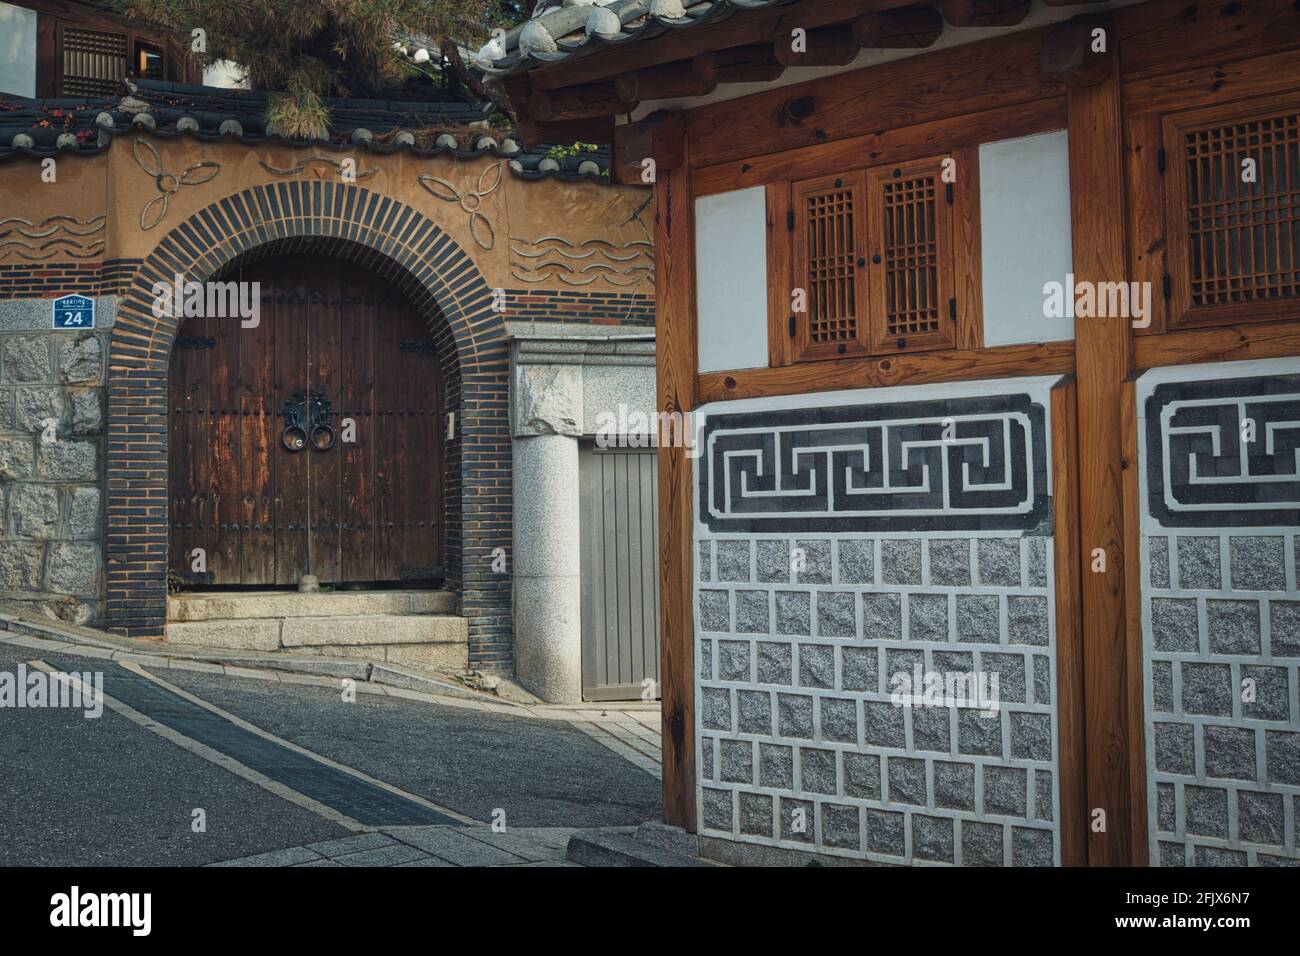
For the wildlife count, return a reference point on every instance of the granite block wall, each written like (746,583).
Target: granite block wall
(846,538)
(51,459)
(1221,612)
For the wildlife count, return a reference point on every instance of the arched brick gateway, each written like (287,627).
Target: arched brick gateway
(399,243)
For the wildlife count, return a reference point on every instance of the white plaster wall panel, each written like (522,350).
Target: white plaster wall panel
(950,567)
(731,279)
(1025,236)
(17,50)
(1220,608)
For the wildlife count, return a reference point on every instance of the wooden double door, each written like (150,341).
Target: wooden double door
(311,443)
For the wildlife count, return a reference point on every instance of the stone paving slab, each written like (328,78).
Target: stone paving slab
(290,857)
(350,844)
(456,848)
(382,856)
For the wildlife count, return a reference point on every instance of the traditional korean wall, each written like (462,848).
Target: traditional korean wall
(844,538)
(552,251)
(1221,612)
(51,455)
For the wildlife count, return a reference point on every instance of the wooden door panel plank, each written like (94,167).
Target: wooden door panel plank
(356,401)
(257,446)
(223,451)
(324,485)
(291,344)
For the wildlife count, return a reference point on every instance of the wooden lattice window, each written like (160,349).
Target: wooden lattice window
(829,217)
(910,227)
(873,250)
(94,62)
(1233,196)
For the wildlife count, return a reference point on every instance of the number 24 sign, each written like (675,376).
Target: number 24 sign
(74,312)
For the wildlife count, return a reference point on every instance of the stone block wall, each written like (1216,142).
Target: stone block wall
(51,460)
(1221,612)
(843,539)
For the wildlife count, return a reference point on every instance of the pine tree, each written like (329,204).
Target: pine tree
(301,51)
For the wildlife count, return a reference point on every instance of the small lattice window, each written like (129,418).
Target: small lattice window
(873,251)
(93,62)
(911,272)
(1234,194)
(828,240)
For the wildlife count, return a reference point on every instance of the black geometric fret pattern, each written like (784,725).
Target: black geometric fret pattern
(956,464)
(1225,452)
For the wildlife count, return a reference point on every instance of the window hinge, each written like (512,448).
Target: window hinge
(789,220)
(952,309)
(948,192)
(793,326)
(1167,286)
(1160,160)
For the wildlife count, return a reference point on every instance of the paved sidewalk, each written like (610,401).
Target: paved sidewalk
(428,846)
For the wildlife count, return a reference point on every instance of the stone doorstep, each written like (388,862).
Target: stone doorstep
(337,636)
(229,606)
(374,629)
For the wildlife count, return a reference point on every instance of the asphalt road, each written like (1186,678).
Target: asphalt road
(107,791)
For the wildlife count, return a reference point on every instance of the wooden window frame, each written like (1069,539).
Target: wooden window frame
(53,19)
(804,348)
(881,340)
(958,282)
(1182,312)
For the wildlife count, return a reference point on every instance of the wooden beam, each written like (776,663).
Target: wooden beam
(577,102)
(661,136)
(1103,359)
(840,43)
(985,13)
(1160,37)
(1226,343)
(915,368)
(893,145)
(664,82)
(1070,50)
(739,64)
(1211,83)
(675,362)
(972,78)
(1068,565)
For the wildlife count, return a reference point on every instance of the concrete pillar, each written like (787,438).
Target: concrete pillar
(548,588)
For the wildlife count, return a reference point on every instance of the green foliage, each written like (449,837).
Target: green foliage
(559,153)
(304,50)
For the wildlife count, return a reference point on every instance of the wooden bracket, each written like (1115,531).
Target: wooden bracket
(984,13)
(577,102)
(661,136)
(1069,52)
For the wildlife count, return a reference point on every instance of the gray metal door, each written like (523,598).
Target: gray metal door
(620,571)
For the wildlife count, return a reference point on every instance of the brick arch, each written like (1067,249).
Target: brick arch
(335,220)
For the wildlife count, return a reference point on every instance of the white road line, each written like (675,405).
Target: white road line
(251,728)
(215,756)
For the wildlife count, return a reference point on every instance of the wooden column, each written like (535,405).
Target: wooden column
(676,370)
(1069,645)
(1103,350)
